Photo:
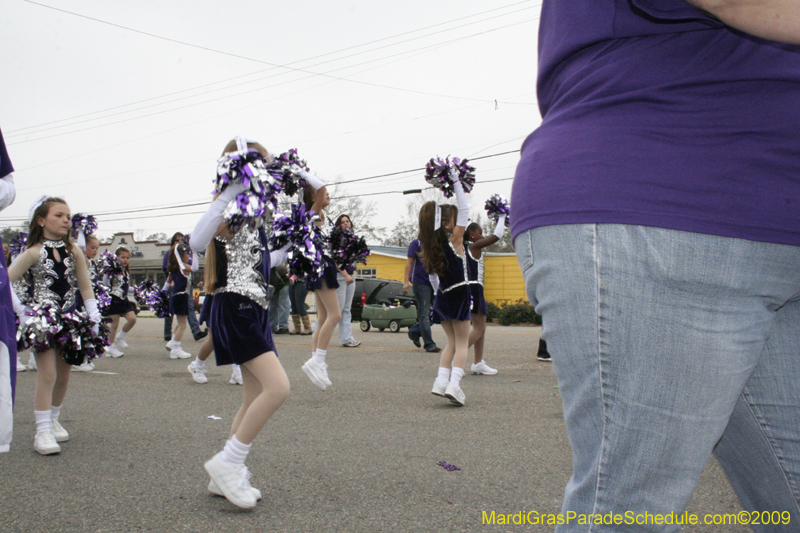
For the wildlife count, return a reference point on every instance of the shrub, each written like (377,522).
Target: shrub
(492,311)
(519,313)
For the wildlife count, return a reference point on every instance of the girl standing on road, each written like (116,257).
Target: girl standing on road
(329,313)
(237,273)
(345,292)
(57,270)
(443,255)
(180,277)
(120,306)
(475,269)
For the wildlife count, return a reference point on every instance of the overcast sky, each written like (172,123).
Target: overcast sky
(122,106)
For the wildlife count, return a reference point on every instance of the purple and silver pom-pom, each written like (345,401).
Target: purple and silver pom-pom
(18,243)
(143,290)
(284,227)
(347,248)
(102,295)
(495,206)
(159,303)
(283,169)
(246,209)
(305,256)
(83,223)
(442,173)
(76,340)
(41,328)
(109,264)
(247,169)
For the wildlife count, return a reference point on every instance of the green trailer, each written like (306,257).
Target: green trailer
(394,318)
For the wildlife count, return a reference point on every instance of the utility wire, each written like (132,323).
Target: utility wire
(10,134)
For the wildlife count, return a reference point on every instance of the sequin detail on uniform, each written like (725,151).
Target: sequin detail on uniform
(244,254)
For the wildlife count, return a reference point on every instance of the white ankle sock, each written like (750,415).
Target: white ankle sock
(121,335)
(235,452)
(43,421)
(319,356)
(176,346)
(199,363)
(444,375)
(55,412)
(456,375)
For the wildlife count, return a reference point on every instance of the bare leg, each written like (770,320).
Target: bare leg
(461,332)
(63,372)
(446,359)
(112,329)
(478,335)
(45,379)
(266,387)
(180,327)
(322,315)
(130,316)
(206,349)
(326,298)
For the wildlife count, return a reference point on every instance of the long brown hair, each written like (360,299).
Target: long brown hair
(433,257)
(36,232)
(210,274)
(172,262)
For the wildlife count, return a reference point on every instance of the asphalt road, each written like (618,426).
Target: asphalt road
(361,456)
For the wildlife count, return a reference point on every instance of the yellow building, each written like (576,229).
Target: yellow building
(503,281)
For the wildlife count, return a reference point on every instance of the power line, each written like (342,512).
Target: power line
(10,134)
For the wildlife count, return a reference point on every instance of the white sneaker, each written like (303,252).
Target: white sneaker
(455,394)
(438,388)
(112,351)
(85,367)
(179,353)
(214,489)
(59,433)
(45,443)
(236,376)
(483,368)
(168,347)
(20,366)
(32,362)
(317,373)
(198,374)
(232,480)
(121,343)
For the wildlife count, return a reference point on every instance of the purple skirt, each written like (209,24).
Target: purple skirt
(179,304)
(118,306)
(478,301)
(239,329)
(329,275)
(205,311)
(452,305)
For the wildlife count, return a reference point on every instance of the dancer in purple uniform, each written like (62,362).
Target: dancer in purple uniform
(237,273)
(8,342)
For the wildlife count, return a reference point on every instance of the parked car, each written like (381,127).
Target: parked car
(378,291)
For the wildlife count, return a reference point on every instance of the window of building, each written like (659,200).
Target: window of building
(367,272)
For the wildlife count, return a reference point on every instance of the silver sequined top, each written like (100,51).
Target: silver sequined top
(118,283)
(244,253)
(44,276)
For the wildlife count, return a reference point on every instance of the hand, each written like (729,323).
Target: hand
(406,286)
(348,278)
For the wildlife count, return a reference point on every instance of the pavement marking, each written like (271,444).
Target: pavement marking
(103,372)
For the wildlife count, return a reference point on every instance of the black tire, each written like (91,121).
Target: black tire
(365,325)
(381,329)
(394,326)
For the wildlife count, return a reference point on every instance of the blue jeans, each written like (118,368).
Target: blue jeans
(168,318)
(424,297)
(344,294)
(297,297)
(669,346)
(279,309)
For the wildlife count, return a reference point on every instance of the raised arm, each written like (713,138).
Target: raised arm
(462,219)
(777,20)
(476,247)
(211,222)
